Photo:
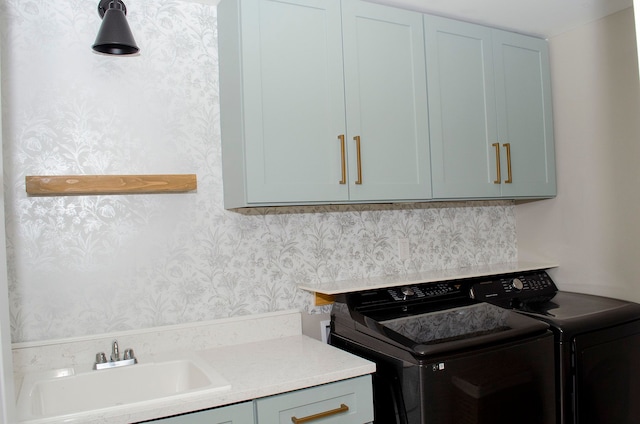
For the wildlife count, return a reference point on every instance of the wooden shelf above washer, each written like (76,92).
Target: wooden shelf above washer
(78,185)
(321,299)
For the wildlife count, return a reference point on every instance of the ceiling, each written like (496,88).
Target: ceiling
(544,18)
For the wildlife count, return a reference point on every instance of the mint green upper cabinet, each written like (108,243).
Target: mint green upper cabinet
(462,111)
(282,101)
(489,112)
(291,98)
(386,103)
(525,119)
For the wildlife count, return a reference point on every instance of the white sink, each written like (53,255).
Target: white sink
(65,391)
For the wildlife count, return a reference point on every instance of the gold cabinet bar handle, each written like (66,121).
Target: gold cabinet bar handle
(343,156)
(498,179)
(343,408)
(359,159)
(509,179)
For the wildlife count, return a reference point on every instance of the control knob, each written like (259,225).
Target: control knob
(517,284)
(407,291)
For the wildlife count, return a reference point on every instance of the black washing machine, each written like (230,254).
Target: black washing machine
(597,345)
(444,358)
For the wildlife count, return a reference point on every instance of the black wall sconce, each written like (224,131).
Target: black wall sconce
(115,36)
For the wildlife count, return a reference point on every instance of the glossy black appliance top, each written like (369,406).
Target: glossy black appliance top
(535,294)
(451,324)
(429,318)
(575,313)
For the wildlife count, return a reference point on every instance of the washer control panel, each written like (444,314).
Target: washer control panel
(429,290)
(403,296)
(528,285)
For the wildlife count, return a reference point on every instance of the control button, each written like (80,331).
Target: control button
(517,284)
(394,294)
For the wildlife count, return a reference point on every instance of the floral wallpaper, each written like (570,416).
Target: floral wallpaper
(82,265)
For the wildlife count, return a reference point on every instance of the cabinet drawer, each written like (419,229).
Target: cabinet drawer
(343,402)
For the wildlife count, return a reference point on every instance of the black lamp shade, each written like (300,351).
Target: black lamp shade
(115,36)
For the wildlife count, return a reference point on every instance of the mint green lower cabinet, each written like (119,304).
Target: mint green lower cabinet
(241,413)
(343,402)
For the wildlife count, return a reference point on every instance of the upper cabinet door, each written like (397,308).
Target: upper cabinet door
(490,112)
(462,110)
(386,103)
(292,107)
(525,118)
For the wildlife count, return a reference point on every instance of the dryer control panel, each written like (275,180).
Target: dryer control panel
(526,286)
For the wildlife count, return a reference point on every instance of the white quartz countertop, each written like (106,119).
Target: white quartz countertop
(254,369)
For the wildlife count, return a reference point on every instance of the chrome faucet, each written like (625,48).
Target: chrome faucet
(115,361)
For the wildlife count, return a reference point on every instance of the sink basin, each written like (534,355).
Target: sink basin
(66,391)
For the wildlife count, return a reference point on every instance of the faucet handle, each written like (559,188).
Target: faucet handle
(101,358)
(128,354)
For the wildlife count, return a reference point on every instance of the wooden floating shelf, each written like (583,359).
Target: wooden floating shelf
(77,185)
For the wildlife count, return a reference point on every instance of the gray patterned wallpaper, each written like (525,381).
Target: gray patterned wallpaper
(94,264)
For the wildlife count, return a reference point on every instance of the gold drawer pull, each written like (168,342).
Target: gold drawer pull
(359,159)
(343,408)
(509,179)
(343,155)
(498,177)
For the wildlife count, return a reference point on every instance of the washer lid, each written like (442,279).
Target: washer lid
(577,312)
(458,328)
(566,305)
(451,324)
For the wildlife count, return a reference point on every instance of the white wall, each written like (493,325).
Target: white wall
(7,391)
(7,407)
(592,228)
(636,14)
(95,264)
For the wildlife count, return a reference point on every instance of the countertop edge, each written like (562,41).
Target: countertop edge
(360,284)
